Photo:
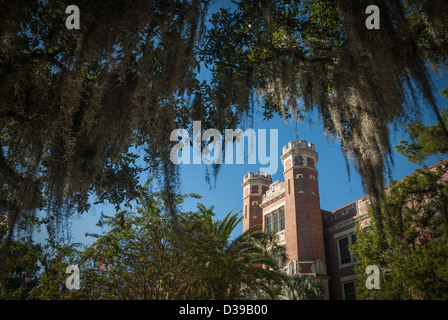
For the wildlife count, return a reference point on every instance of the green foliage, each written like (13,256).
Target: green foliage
(21,274)
(145,253)
(143,256)
(418,272)
(425,140)
(300,287)
(75,103)
(412,250)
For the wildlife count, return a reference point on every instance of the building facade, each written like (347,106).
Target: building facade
(316,241)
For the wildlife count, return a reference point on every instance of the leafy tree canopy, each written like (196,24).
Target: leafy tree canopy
(425,140)
(75,103)
(412,250)
(141,256)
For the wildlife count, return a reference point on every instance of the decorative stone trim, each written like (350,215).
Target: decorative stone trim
(276,191)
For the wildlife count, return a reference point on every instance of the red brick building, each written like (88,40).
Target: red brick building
(338,236)
(316,240)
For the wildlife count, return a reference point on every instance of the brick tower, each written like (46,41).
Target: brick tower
(304,239)
(254,187)
(290,209)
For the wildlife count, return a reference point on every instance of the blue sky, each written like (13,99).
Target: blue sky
(335,187)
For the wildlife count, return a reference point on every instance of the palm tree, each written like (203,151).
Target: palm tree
(267,242)
(291,287)
(239,265)
(299,287)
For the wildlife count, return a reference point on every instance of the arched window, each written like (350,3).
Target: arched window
(255,204)
(313,184)
(300,178)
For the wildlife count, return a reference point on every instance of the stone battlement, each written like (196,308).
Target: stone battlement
(259,175)
(302,144)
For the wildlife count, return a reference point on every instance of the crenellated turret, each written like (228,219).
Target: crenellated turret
(299,154)
(254,187)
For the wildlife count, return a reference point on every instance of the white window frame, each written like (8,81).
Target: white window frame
(343,287)
(345,234)
(271,215)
